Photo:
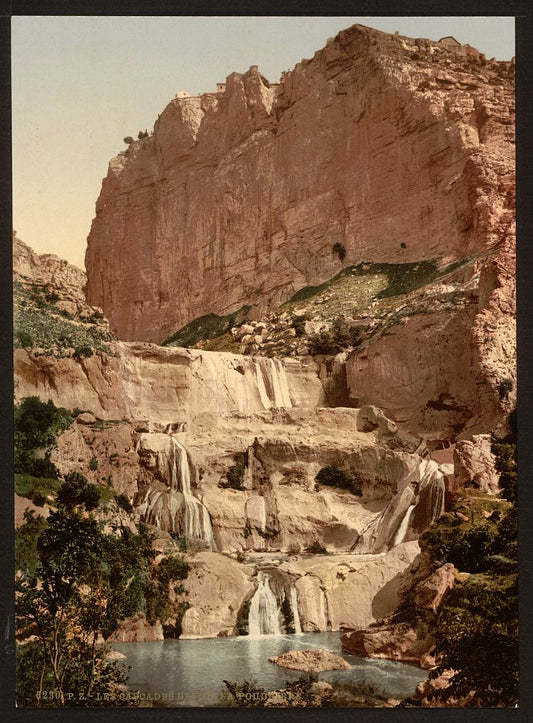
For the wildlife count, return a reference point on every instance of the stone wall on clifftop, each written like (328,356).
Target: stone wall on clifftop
(398,149)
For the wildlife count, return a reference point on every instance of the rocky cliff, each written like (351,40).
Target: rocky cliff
(394,149)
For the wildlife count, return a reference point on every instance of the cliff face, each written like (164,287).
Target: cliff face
(400,150)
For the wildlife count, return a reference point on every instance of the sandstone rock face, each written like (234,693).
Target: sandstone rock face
(474,464)
(217,586)
(106,454)
(397,150)
(167,385)
(137,630)
(51,271)
(310,661)
(403,641)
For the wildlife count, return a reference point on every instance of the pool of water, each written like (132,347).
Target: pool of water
(193,671)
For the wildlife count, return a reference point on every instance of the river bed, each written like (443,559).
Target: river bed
(191,672)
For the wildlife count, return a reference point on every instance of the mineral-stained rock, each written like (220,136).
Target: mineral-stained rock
(136,630)
(238,198)
(310,661)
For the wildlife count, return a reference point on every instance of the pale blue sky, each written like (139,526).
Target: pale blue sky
(80,84)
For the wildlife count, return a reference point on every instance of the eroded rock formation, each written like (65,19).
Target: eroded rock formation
(397,149)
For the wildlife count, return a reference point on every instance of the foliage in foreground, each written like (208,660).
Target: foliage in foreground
(303,693)
(75,580)
(476,626)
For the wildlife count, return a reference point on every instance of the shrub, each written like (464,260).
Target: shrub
(298,324)
(334,340)
(129,140)
(235,474)
(505,386)
(124,503)
(316,548)
(82,352)
(331,476)
(77,491)
(93,464)
(339,249)
(23,339)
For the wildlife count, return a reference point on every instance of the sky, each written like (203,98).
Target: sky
(81,84)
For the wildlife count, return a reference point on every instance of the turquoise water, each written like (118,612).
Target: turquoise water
(193,671)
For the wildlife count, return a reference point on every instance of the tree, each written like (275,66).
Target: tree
(129,140)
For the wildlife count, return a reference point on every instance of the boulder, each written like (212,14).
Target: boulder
(429,592)
(310,661)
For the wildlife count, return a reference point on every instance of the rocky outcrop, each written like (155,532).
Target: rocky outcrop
(405,641)
(217,587)
(474,464)
(136,630)
(429,593)
(398,641)
(310,661)
(239,197)
(148,382)
(57,275)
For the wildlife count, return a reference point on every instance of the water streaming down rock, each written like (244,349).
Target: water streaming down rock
(404,524)
(197,520)
(420,500)
(272,383)
(295,613)
(263,618)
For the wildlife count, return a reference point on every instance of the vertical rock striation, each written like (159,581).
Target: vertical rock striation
(398,149)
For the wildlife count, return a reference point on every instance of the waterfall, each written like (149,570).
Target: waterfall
(263,618)
(159,507)
(272,383)
(197,520)
(295,613)
(282,396)
(402,527)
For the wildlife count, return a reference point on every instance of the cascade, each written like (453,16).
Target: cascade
(402,527)
(263,618)
(157,504)
(197,520)
(295,613)
(272,383)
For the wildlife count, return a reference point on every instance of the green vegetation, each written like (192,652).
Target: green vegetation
(124,503)
(401,278)
(334,477)
(206,327)
(41,324)
(37,489)
(75,582)
(301,693)
(339,249)
(505,387)
(336,339)
(476,626)
(37,425)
